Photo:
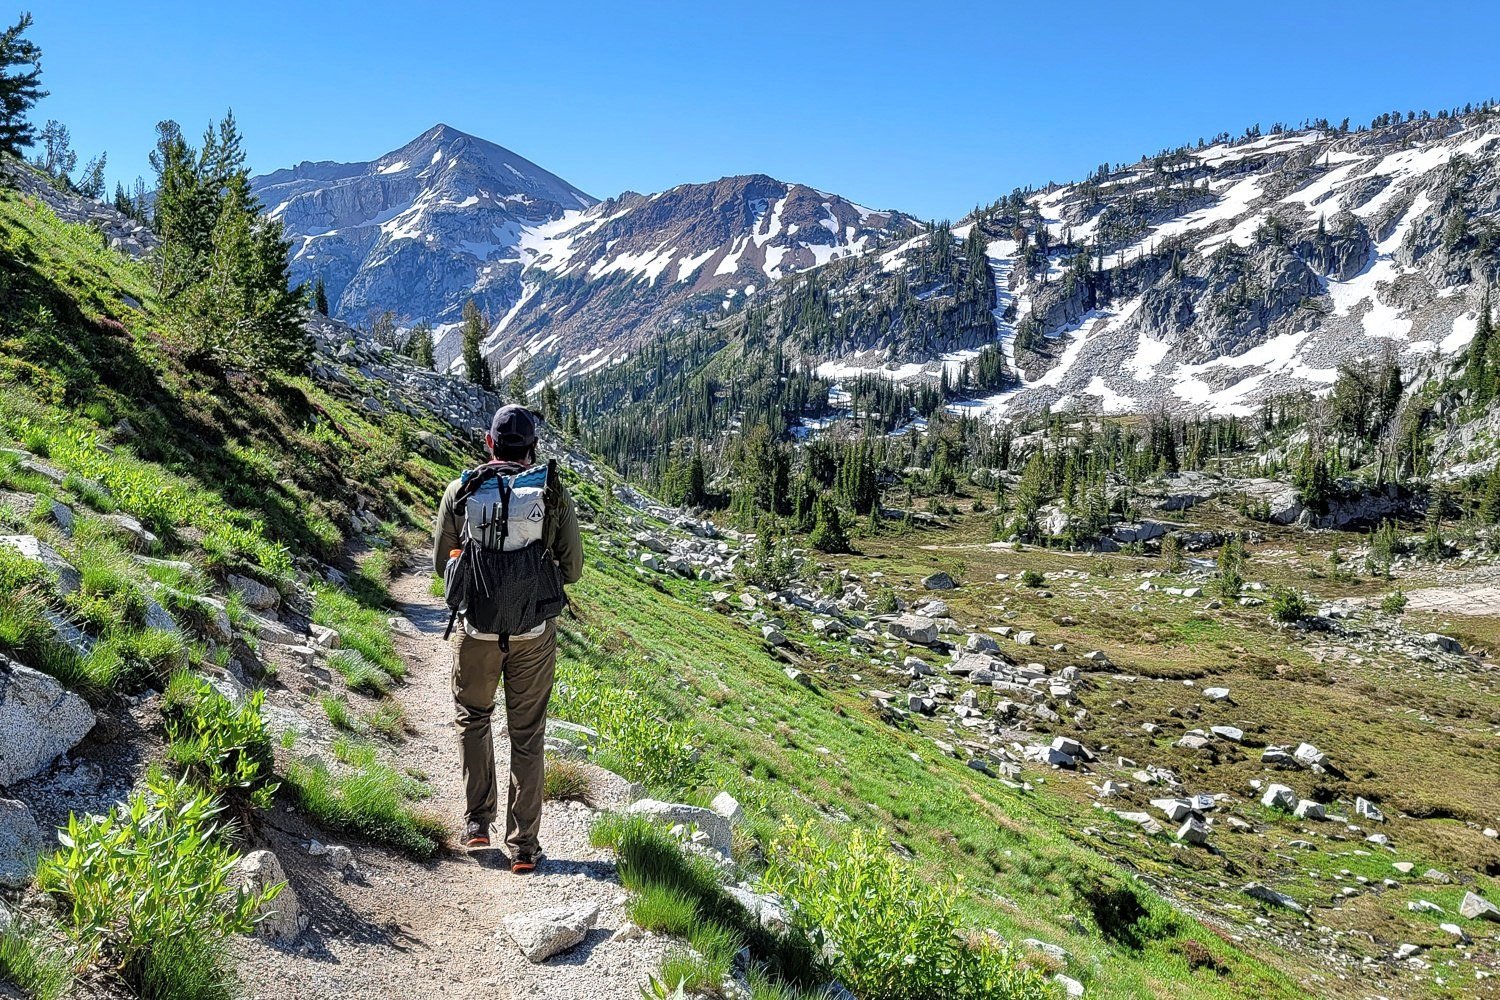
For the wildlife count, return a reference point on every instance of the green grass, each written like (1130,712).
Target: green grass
(368,798)
(336,708)
(359,673)
(664,909)
(566,779)
(361,628)
(811,754)
(33,962)
(388,720)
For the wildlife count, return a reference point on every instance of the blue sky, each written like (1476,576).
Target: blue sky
(928,107)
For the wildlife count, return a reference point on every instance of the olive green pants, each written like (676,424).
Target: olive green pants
(479,667)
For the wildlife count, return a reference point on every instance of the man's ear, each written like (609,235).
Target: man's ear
(489,442)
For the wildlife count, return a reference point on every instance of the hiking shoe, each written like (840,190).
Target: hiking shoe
(525,864)
(476,835)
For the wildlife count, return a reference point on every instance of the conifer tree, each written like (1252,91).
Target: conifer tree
(1483,367)
(320,296)
(476,366)
(20,86)
(828,533)
(222,269)
(519,384)
(551,406)
(419,345)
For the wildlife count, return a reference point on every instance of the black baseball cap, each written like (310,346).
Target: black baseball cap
(513,427)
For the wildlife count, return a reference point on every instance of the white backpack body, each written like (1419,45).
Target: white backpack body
(508,512)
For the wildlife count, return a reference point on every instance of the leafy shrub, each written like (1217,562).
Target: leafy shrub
(635,742)
(1231,579)
(886,602)
(893,932)
(1033,578)
(1288,605)
(153,877)
(1394,603)
(217,745)
(374,801)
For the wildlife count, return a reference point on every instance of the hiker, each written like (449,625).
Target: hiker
(506,542)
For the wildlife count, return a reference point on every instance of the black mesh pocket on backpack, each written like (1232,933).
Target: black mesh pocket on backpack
(510,593)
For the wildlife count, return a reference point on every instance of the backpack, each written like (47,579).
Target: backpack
(504,580)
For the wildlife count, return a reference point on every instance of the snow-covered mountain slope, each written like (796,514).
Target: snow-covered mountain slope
(565,281)
(601,282)
(1234,271)
(1212,277)
(419,230)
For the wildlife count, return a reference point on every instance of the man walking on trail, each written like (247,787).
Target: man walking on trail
(506,509)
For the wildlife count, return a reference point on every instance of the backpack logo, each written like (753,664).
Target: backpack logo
(535,513)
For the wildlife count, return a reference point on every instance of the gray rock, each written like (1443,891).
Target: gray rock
(1268,895)
(917,629)
(280,920)
(728,806)
(1070,986)
(540,934)
(1231,733)
(1476,907)
(1308,755)
(773,635)
(254,593)
(39,720)
(1308,809)
(1175,809)
(1193,832)
(798,676)
(1279,797)
(132,530)
(1369,810)
(68,579)
(1216,693)
(720,834)
(939,581)
(21,844)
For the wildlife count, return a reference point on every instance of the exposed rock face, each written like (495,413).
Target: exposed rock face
(281,920)
(449,217)
(39,721)
(421,229)
(21,844)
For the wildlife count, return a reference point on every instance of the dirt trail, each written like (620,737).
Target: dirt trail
(415,931)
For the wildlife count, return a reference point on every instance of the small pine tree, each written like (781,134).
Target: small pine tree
(519,384)
(476,366)
(320,296)
(418,345)
(828,534)
(551,405)
(20,78)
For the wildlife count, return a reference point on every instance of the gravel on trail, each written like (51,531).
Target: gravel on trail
(390,927)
